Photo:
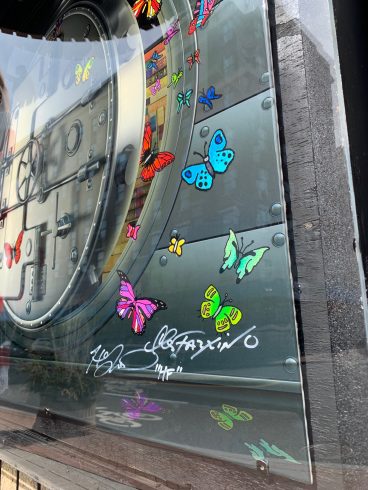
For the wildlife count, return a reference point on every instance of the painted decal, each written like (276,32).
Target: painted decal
(237,257)
(141,309)
(217,161)
(201,14)
(171,32)
(224,315)
(194,58)
(152,63)
(152,161)
(82,73)
(207,98)
(259,453)
(156,87)
(175,78)
(176,245)
(149,8)
(165,372)
(225,419)
(133,407)
(13,253)
(132,230)
(184,99)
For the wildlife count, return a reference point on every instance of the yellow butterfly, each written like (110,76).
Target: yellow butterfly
(176,245)
(175,78)
(82,74)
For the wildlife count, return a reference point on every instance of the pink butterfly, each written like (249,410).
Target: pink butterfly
(156,87)
(132,231)
(141,308)
(137,405)
(171,32)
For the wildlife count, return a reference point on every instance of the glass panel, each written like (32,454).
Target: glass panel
(147,288)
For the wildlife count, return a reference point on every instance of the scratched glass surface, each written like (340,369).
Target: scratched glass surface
(145,287)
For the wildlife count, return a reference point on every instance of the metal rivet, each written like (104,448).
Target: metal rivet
(276,209)
(28,307)
(267,103)
(102,118)
(29,247)
(265,78)
(174,233)
(74,255)
(90,153)
(173,356)
(163,260)
(291,365)
(278,239)
(205,131)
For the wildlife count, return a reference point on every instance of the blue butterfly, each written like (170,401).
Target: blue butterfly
(184,99)
(206,99)
(151,64)
(216,162)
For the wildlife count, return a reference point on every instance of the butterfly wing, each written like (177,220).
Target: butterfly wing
(220,157)
(202,99)
(17,250)
(211,93)
(173,242)
(125,305)
(188,95)
(129,231)
(144,309)
(131,408)
(233,412)
(153,8)
(135,231)
(87,69)
(229,315)
(249,262)
(199,174)
(78,74)
(190,61)
(147,140)
(160,161)
(179,247)
(209,308)
(180,99)
(8,249)
(231,252)
(222,419)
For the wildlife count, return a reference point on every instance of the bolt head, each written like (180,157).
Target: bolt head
(278,239)
(163,260)
(267,103)
(276,209)
(204,132)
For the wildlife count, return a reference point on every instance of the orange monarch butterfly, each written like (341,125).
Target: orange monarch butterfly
(148,7)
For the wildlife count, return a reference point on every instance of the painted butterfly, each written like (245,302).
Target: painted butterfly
(225,419)
(148,7)
(194,58)
(216,162)
(202,12)
(137,405)
(184,99)
(237,257)
(224,315)
(82,74)
(13,252)
(176,245)
(142,309)
(132,231)
(206,99)
(171,32)
(152,63)
(175,78)
(152,160)
(156,87)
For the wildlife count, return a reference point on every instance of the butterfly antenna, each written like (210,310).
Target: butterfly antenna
(247,246)
(205,146)
(197,153)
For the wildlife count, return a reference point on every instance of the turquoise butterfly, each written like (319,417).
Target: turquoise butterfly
(216,162)
(237,257)
(184,99)
(224,316)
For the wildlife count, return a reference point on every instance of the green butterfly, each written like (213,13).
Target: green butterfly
(237,257)
(225,418)
(224,316)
